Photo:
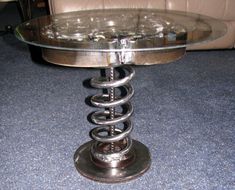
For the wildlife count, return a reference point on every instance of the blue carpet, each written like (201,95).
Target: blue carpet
(184,113)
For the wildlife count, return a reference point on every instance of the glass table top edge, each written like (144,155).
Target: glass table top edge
(222,32)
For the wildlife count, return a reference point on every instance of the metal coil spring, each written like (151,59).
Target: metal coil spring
(109,118)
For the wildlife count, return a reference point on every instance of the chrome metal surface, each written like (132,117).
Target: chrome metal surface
(87,168)
(104,60)
(112,156)
(112,108)
(109,118)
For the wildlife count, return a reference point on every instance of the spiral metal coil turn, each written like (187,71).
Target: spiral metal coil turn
(109,118)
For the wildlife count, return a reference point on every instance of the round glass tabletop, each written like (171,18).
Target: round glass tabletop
(114,30)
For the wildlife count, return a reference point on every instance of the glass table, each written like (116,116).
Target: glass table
(114,39)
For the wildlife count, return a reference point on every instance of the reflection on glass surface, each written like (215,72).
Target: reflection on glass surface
(113,28)
(118,29)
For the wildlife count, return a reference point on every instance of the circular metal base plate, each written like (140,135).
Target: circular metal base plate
(87,168)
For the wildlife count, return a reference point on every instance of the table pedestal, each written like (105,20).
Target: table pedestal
(112,156)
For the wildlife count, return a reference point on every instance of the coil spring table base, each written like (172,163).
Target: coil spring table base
(112,156)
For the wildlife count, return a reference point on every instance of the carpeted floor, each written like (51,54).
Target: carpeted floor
(184,113)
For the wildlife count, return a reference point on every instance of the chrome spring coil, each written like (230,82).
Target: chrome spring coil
(109,117)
